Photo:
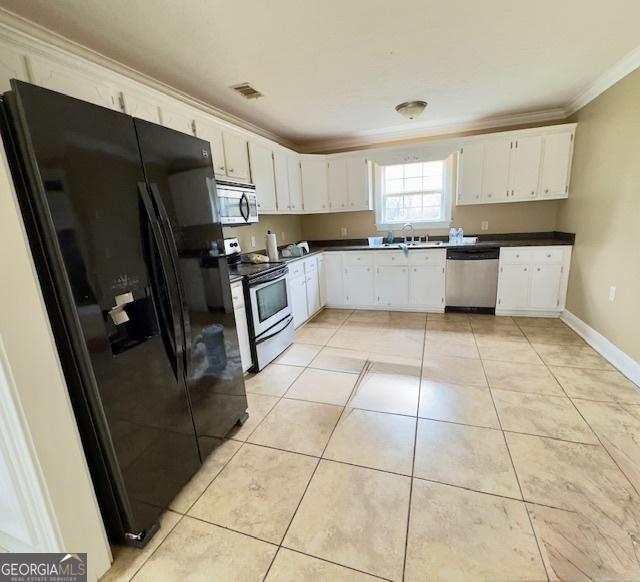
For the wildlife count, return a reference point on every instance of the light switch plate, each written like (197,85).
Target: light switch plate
(484,225)
(284,238)
(343,231)
(253,242)
(612,293)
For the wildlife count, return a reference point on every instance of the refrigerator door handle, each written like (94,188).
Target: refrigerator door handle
(173,256)
(158,239)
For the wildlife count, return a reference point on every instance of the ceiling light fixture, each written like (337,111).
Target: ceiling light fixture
(411,109)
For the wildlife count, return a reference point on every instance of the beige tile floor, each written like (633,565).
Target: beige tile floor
(403,446)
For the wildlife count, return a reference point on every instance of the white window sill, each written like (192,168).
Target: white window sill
(416,225)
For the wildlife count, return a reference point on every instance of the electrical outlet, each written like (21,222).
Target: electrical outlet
(612,293)
(343,231)
(253,242)
(284,236)
(484,225)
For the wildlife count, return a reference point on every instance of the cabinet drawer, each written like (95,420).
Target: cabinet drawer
(296,269)
(427,257)
(237,295)
(358,258)
(516,255)
(390,258)
(548,255)
(310,265)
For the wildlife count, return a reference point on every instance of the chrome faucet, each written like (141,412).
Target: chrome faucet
(406,227)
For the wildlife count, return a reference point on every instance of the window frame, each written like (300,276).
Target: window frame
(447,186)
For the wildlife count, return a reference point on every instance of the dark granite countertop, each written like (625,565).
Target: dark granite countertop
(485,241)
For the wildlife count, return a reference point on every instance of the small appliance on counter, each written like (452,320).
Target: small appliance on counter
(269,315)
(296,250)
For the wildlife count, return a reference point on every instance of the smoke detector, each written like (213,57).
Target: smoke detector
(247,91)
(411,109)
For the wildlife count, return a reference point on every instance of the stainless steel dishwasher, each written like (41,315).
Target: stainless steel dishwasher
(472,279)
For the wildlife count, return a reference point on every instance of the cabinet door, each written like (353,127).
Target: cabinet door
(470,173)
(262,175)
(281,172)
(212,133)
(338,187)
(358,285)
(392,286)
(243,338)
(13,65)
(140,105)
(556,162)
(334,279)
(299,300)
(73,82)
(545,286)
(495,175)
(322,281)
(358,184)
(315,195)
(513,286)
(426,286)
(295,184)
(524,173)
(236,156)
(313,292)
(177,118)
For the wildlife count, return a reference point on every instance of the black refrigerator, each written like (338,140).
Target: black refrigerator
(122,220)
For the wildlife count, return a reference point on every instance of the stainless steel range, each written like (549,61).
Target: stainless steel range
(267,295)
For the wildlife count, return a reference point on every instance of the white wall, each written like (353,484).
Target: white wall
(52,501)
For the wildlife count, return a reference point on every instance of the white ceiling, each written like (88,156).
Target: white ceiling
(336,68)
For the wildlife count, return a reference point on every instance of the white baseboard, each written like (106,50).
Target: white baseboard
(527,312)
(627,365)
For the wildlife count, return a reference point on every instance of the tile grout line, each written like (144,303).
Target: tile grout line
(595,433)
(513,466)
(284,535)
(415,444)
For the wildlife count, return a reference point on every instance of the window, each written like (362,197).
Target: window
(415,193)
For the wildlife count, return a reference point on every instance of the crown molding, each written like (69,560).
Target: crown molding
(27,31)
(427,130)
(627,64)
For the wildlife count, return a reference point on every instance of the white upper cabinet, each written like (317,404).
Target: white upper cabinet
(470,166)
(528,164)
(315,193)
(295,183)
(524,173)
(359,183)
(211,132)
(262,174)
(557,150)
(236,156)
(177,117)
(141,105)
(338,184)
(13,65)
(73,81)
(281,171)
(495,173)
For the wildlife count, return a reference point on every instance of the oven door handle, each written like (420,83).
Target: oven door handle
(285,326)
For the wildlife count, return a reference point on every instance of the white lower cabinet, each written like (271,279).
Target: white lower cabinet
(304,289)
(322,280)
(333,278)
(358,285)
(242,328)
(426,287)
(533,280)
(392,285)
(298,292)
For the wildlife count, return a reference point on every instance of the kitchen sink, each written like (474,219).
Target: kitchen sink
(414,245)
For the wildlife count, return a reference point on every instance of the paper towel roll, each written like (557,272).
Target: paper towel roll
(272,246)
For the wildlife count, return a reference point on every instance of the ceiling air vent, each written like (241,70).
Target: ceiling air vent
(247,91)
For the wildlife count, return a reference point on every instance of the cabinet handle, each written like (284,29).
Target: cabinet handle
(231,169)
(532,192)
(549,256)
(490,195)
(546,190)
(525,268)
(517,256)
(221,168)
(538,269)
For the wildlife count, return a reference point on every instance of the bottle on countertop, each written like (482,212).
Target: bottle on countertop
(452,235)
(460,236)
